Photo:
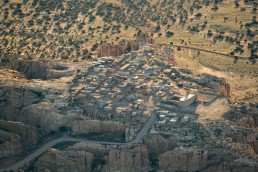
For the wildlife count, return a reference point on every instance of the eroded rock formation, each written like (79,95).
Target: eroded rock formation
(224,88)
(183,159)
(218,85)
(86,126)
(128,158)
(89,157)
(41,69)
(15,136)
(14,98)
(66,160)
(31,69)
(157,144)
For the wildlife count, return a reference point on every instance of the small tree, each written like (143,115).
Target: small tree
(169,34)
(198,15)
(63,129)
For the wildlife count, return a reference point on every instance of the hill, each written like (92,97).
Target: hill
(72,30)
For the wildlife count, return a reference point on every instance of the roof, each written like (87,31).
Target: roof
(187,97)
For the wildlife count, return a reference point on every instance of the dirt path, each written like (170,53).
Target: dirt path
(209,51)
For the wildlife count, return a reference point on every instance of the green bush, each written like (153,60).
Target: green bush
(169,34)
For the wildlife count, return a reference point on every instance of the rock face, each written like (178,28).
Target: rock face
(130,133)
(128,158)
(31,69)
(40,69)
(157,144)
(50,118)
(86,126)
(28,133)
(95,157)
(14,136)
(10,144)
(247,122)
(218,85)
(65,161)
(183,159)
(13,99)
(224,88)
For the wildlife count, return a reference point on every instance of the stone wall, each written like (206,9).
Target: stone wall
(128,158)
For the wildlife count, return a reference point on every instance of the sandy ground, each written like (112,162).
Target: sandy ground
(214,110)
(243,87)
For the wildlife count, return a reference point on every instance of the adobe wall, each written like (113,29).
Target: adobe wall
(107,49)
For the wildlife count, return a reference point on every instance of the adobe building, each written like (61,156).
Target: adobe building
(124,47)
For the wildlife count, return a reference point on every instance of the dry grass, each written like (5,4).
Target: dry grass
(215,22)
(242,76)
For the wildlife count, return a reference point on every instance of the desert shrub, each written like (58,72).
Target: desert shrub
(169,34)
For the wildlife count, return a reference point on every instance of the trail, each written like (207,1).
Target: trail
(209,51)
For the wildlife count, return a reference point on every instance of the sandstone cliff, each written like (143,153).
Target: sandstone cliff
(130,133)
(247,122)
(10,144)
(89,157)
(41,69)
(28,133)
(85,126)
(183,159)
(15,137)
(64,161)
(128,158)
(157,144)
(218,85)
(14,99)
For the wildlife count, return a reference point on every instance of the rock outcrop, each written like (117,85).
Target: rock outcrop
(50,118)
(66,160)
(183,159)
(40,69)
(86,126)
(128,158)
(15,137)
(247,122)
(28,133)
(10,144)
(218,85)
(89,157)
(31,69)
(157,144)
(14,99)
(130,133)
